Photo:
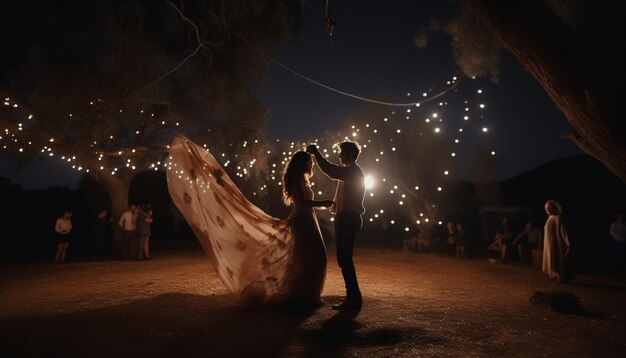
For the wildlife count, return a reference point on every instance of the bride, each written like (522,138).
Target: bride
(259,258)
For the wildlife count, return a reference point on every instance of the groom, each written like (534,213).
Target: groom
(348,208)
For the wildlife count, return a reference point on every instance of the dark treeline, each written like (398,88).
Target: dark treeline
(30,216)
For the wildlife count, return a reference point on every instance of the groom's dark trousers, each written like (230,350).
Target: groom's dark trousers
(347,226)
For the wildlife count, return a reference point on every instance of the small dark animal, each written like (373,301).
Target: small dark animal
(558,301)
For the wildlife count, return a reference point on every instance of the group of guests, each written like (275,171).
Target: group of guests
(136,231)
(453,241)
(504,242)
(64,234)
(554,241)
(555,244)
(457,238)
(136,228)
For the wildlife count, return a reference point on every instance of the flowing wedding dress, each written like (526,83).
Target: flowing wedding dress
(259,258)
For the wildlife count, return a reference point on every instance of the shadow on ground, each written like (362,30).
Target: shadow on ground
(414,305)
(191,326)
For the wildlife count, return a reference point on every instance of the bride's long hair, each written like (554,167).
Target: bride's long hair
(295,169)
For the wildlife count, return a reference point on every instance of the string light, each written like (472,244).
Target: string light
(377,188)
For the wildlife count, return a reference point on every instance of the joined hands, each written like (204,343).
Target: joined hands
(311,148)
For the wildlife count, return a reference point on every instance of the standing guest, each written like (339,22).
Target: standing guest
(144,221)
(128,223)
(418,242)
(385,229)
(438,234)
(451,236)
(100,230)
(348,208)
(424,243)
(63,230)
(461,240)
(556,244)
(617,230)
(177,221)
(413,243)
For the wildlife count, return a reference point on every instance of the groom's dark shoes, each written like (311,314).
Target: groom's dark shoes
(349,304)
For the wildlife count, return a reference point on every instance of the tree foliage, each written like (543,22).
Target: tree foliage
(107,84)
(574,49)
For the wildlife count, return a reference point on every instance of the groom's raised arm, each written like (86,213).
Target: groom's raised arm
(333,171)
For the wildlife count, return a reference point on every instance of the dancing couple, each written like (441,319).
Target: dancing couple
(263,260)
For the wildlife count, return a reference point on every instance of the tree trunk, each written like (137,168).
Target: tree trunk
(567,69)
(117,187)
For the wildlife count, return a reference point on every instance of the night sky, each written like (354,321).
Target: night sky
(372,54)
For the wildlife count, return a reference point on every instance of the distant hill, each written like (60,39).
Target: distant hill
(580,183)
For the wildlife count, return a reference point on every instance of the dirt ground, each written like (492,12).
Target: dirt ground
(414,305)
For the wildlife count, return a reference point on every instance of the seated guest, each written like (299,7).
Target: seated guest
(502,239)
(526,240)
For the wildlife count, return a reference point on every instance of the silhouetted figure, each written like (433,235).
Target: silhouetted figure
(100,232)
(451,237)
(460,241)
(415,242)
(63,232)
(144,231)
(617,230)
(177,221)
(128,223)
(502,239)
(527,240)
(438,235)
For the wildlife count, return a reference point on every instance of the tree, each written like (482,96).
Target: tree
(572,48)
(106,85)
